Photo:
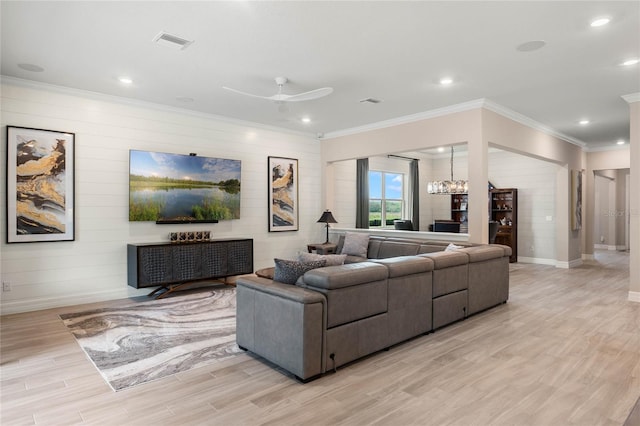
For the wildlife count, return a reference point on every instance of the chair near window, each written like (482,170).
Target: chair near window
(403,225)
(443,225)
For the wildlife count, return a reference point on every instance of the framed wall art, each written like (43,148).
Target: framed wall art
(576,199)
(40,185)
(283,194)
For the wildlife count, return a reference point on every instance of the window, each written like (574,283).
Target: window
(386,198)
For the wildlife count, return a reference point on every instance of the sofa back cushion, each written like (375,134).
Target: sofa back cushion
(353,292)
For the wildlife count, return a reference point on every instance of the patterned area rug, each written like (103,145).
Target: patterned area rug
(141,342)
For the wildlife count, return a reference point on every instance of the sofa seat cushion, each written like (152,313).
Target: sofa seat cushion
(406,265)
(447,259)
(482,253)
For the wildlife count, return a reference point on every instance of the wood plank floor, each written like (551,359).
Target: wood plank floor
(565,350)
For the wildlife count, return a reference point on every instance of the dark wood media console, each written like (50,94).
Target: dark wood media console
(170,266)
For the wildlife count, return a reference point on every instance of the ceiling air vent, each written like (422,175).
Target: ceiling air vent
(370,100)
(172,40)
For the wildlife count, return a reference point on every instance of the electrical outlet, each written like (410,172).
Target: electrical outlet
(6,286)
(531,249)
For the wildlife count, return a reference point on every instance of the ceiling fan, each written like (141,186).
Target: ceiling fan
(282,97)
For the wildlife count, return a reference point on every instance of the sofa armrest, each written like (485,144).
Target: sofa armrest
(282,323)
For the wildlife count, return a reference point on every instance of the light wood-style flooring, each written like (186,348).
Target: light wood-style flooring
(565,350)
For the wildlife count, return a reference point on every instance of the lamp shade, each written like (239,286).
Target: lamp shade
(327,217)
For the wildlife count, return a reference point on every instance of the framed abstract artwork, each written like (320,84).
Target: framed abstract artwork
(576,199)
(40,185)
(283,194)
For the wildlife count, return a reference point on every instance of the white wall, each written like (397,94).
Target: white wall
(535,181)
(93,267)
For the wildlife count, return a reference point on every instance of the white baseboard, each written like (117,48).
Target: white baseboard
(570,264)
(634,296)
(18,306)
(552,262)
(537,260)
(604,247)
(588,256)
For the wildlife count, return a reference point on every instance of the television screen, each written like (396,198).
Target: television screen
(182,188)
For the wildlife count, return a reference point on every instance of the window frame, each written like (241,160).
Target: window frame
(383,199)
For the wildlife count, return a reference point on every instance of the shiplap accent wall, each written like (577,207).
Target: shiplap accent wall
(536,181)
(93,267)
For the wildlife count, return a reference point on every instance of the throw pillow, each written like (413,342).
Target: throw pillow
(452,247)
(288,271)
(355,244)
(330,259)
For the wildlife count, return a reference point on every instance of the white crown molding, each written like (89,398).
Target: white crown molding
(30,84)
(614,147)
(631,98)
(465,106)
(526,121)
(634,296)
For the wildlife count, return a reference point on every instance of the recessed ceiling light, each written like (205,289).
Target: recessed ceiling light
(600,22)
(31,67)
(125,80)
(446,80)
(629,62)
(306,120)
(620,142)
(441,149)
(530,46)
(584,122)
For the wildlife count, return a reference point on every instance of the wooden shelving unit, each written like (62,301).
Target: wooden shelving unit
(459,211)
(504,209)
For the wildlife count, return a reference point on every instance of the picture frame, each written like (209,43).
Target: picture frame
(576,199)
(40,185)
(283,194)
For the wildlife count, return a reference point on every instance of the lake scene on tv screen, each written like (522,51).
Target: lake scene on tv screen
(175,187)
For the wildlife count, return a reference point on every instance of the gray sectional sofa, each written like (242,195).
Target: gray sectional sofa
(337,314)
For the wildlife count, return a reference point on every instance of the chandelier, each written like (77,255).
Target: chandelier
(448,186)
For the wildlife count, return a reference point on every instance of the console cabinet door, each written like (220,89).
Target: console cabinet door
(155,265)
(240,259)
(187,260)
(214,259)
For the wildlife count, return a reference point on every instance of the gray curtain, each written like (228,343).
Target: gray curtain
(362,193)
(414,195)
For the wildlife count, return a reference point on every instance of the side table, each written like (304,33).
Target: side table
(322,248)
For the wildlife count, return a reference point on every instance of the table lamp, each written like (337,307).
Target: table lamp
(327,218)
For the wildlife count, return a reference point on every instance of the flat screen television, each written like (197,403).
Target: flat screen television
(177,188)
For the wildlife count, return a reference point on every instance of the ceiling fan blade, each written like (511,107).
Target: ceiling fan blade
(246,94)
(306,96)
